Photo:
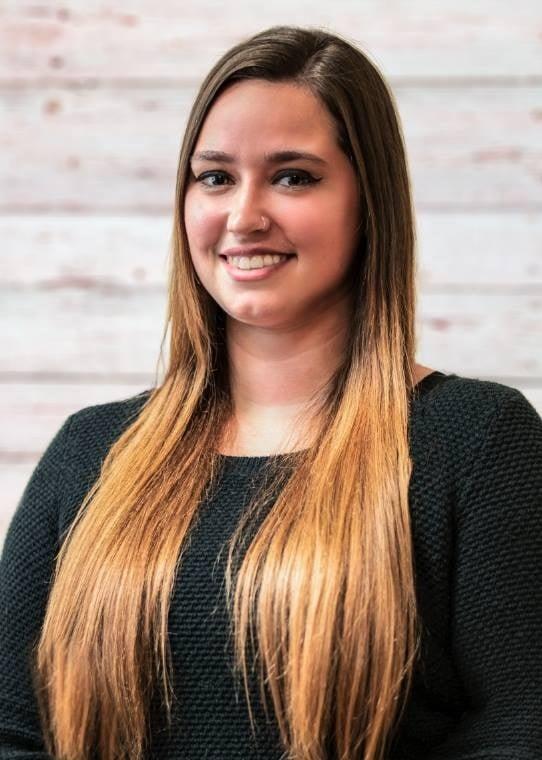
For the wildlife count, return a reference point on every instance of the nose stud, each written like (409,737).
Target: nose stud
(265,224)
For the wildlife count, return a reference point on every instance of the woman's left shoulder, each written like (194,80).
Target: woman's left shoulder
(468,426)
(500,434)
(474,404)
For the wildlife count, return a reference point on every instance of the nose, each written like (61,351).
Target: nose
(245,213)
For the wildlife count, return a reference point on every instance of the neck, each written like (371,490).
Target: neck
(276,372)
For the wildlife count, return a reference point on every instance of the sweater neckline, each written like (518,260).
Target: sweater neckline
(249,464)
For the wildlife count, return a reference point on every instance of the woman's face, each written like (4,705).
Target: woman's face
(309,205)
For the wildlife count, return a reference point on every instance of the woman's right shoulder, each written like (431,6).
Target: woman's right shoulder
(92,430)
(106,420)
(66,470)
(86,437)
(81,445)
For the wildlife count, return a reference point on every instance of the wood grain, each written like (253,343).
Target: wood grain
(467,147)
(477,249)
(72,41)
(104,334)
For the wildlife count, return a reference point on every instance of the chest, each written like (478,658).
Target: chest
(253,438)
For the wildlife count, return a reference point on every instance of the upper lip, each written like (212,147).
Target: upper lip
(251,251)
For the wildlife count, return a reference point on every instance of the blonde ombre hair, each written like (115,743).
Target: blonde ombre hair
(338,637)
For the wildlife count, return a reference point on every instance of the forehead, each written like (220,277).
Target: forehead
(259,114)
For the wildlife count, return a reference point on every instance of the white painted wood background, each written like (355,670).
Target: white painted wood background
(94,99)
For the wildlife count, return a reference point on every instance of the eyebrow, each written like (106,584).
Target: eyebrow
(278,157)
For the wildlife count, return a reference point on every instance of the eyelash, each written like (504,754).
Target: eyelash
(308,178)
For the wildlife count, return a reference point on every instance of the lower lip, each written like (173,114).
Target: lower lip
(246,275)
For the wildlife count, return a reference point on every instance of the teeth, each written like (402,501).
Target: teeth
(255,262)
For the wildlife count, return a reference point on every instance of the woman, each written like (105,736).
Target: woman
(383,520)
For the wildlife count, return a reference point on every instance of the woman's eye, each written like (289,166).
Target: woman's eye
(301,178)
(208,175)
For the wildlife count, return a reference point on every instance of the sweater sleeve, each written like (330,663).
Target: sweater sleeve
(497,592)
(26,567)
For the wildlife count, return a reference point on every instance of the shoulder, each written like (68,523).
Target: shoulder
(80,444)
(461,416)
(66,470)
(89,433)
(118,410)
(92,430)
(460,400)
(101,424)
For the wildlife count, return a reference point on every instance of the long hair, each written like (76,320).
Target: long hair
(337,639)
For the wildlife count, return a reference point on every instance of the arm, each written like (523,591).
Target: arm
(26,567)
(497,593)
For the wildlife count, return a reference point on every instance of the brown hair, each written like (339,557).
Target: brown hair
(337,639)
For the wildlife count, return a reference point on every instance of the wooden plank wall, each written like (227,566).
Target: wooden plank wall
(94,100)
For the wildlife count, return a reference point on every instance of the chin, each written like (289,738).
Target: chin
(265,319)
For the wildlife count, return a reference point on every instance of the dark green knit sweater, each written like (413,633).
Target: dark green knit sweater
(476,505)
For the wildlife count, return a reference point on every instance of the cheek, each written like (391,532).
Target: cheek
(323,226)
(202,223)
(305,224)
(342,222)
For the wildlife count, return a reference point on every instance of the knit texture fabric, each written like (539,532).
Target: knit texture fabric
(476,505)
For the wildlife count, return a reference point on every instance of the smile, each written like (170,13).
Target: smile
(256,262)
(249,268)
